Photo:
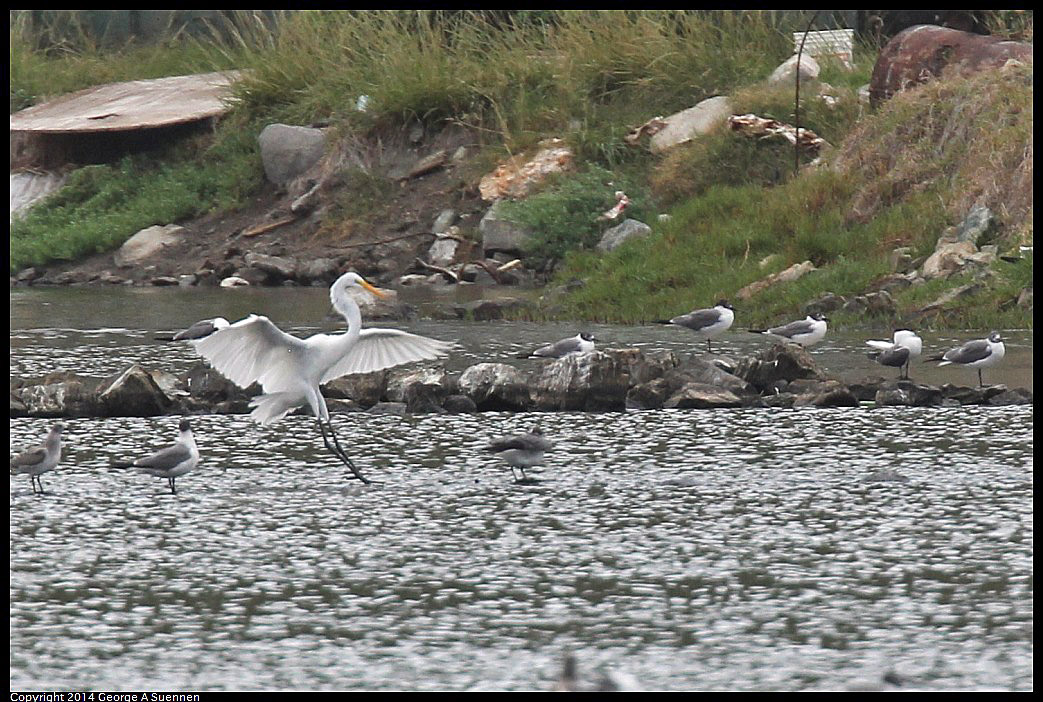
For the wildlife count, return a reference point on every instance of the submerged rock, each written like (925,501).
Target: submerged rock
(907,393)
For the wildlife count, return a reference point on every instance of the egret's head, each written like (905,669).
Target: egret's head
(354,280)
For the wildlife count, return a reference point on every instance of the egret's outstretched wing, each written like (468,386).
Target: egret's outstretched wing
(378,348)
(253,350)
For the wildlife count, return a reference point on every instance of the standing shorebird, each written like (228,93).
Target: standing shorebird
(707,323)
(804,332)
(581,343)
(41,458)
(291,371)
(980,353)
(521,451)
(898,353)
(172,461)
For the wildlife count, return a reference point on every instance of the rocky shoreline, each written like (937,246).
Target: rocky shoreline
(600,381)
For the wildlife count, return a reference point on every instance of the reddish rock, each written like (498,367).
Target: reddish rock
(923,52)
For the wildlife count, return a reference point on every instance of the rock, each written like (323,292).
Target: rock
(797,270)
(649,395)
(147,243)
(27,274)
(397,409)
(908,394)
(277,268)
(424,399)
(589,382)
(923,52)
(949,296)
(374,307)
(288,151)
(443,221)
(308,201)
(830,393)
(234,281)
(366,389)
(65,396)
(399,380)
(786,71)
(948,257)
(485,310)
(624,231)
(164,281)
(443,251)
(424,165)
(697,370)
(976,225)
(644,366)
(702,396)
(501,234)
(518,176)
(829,302)
(186,280)
(322,270)
(875,304)
(495,387)
(1017,396)
(252,276)
(459,404)
(780,362)
(964,395)
(133,393)
(207,385)
(683,126)
(1025,298)
(901,259)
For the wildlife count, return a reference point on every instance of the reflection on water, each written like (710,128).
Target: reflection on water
(725,549)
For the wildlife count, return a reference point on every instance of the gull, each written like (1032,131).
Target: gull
(581,343)
(291,370)
(707,323)
(41,458)
(202,328)
(898,353)
(804,332)
(172,461)
(521,450)
(980,353)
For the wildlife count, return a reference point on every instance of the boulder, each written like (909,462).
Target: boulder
(624,231)
(589,382)
(787,70)
(518,176)
(459,404)
(948,257)
(702,396)
(133,393)
(824,304)
(71,396)
(683,126)
(277,268)
(485,310)
(794,272)
(976,226)
(780,362)
(495,387)
(399,380)
(366,389)
(923,52)
(829,393)
(648,395)
(874,304)
(906,393)
(500,234)
(443,251)
(288,151)
(1016,396)
(321,270)
(147,243)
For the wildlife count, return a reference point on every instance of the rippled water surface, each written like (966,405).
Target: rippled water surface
(726,549)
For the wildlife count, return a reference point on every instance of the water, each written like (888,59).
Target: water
(725,549)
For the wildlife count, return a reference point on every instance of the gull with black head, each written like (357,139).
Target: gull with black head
(199,330)
(803,332)
(707,323)
(581,343)
(898,353)
(170,462)
(980,353)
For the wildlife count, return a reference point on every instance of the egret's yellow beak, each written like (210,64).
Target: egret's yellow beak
(372,289)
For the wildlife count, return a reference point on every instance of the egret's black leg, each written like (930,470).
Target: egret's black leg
(336,449)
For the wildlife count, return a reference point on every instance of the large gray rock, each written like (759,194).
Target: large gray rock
(366,389)
(687,124)
(502,235)
(702,396)
(68,396)
(288,151)
(780,362)
(495,386)
(148,243)
(277,268)
(590,382)
(829,393)
(976,225)
(786,72)
(906,393)
(624,231)
(443,251)
(399,381)
(134,393)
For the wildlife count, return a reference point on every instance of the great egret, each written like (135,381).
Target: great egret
(804,332)
(581,343)
(41,458)
(291,370)
(980,353)
(707,323)
(898,353)
(521,450)
(171,462)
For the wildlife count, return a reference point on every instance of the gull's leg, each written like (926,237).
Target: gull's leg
(173,489)
(981,383)
(336,449)
(708,349)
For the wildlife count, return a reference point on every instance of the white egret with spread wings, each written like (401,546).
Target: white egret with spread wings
(291,371)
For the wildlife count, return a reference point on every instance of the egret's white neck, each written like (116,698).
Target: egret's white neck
(349,309)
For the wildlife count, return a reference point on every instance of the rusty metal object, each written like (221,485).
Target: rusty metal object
(920,53)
